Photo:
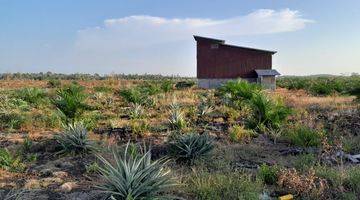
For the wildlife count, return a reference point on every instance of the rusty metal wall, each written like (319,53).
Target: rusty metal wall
(226,61)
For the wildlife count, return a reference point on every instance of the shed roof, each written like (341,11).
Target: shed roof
(222,42)
(266,72)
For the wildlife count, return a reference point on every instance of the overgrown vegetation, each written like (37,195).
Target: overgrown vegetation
(236,142)
(323,85)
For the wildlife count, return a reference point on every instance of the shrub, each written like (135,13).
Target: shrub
(304,162)
(219,186)
(307,186)
(321,88)
(239,133)
(9,162)
(33,96)
(189,147)
(351,144)
(70,101)
(352,182)
(134,177)
(269,174)
(184,84)
(149,88)
(166,86)
(133,96)
(75,140)
(305,137)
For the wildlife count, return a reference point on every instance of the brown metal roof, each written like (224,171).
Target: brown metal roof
(222,42)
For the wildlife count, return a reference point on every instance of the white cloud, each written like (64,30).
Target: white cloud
(148,44)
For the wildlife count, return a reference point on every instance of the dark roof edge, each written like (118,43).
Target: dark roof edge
(222,42)
(249,48)
(196,37)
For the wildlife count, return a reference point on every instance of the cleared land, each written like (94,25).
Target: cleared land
(237,142)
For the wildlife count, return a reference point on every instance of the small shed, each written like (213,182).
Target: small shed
(266,77)
(218,62)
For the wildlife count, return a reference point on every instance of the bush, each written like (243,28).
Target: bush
(352,182)
(184,84)
(133,96)
(307,186)
(75,140)
(304,162)
(134,177)
(70,101)
(239,133)
(9,162)
(166,86)
(219,186)
(305,137)
(322,85)
(189,147)
(269,174)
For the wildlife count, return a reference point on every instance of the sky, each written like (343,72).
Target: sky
(156,36)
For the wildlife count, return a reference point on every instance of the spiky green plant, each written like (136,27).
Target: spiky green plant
(134,176)
(136,111)
(176,119)
(70,101)
(192,146)
(75,139)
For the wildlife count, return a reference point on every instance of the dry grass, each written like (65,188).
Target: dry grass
(300,99)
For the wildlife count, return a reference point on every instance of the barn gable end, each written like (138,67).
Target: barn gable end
(218,62)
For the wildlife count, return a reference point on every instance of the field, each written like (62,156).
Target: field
(152,137)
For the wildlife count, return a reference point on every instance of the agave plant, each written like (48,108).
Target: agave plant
(191,146)
(177,120)
(75,139)
(136,111)
(134,176)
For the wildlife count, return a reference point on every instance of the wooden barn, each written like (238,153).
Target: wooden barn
(218,62)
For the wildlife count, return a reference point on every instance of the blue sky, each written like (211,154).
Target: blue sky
(143,36)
